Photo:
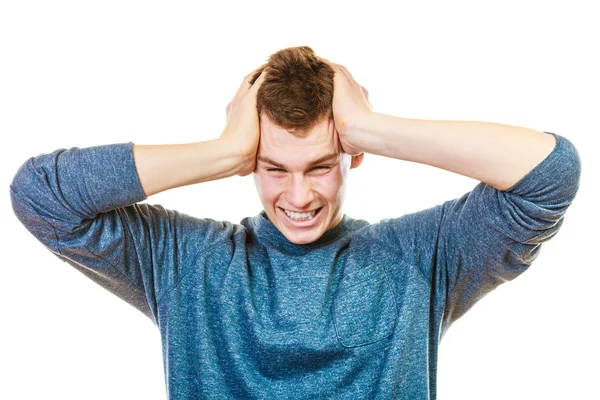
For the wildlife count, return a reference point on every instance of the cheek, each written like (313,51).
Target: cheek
(267,187)
(329,186)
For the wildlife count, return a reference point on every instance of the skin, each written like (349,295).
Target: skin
(496,154)
(292,182)
(295,184)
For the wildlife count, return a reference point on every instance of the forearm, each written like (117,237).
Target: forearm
(496,154)
(162,167)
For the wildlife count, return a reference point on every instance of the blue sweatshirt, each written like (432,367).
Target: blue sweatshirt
(245,314)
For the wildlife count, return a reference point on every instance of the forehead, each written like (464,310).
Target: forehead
(279,145)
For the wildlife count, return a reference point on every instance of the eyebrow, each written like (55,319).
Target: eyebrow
(315,162)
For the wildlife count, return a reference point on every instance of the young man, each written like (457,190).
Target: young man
(302,301)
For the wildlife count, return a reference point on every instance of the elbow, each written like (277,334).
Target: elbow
(23,194)
(28,206)
(36,197)
(570,168)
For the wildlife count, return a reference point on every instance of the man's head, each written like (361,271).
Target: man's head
(297,130)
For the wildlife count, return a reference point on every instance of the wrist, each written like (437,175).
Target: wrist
(243,159)
(367,134)
(231,149)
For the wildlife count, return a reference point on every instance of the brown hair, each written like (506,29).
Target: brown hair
(297,91)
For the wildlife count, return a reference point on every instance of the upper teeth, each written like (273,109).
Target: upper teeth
(296,215)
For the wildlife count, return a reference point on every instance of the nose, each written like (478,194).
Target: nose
(299,193)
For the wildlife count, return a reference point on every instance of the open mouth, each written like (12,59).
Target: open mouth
(302,218)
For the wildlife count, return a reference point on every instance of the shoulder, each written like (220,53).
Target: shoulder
(408,230)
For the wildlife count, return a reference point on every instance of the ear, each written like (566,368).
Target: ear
(357,160)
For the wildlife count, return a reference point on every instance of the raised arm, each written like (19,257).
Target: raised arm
(82,204)
(162,167)
(468,246)
(496,154)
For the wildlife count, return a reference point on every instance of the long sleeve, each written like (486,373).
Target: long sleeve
(81,204)
(468,246)
(490,236)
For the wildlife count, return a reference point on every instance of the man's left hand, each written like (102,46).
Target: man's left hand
(351,109)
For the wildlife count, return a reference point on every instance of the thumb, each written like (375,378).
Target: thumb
(259,81)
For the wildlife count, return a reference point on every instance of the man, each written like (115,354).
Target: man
(302,301)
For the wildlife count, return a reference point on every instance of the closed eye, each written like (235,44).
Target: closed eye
(279,169)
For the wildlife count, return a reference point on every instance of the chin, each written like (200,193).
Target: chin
(302,240)
(302,237)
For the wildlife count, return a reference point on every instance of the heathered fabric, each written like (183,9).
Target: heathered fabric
(245,314)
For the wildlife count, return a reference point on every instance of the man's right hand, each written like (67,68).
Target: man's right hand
(163,167)
(242,129)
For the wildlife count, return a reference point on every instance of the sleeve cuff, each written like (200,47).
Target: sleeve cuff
(559,172)
(109,173)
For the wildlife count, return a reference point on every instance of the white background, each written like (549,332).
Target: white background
(76,73)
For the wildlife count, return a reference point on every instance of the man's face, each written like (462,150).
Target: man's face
(288,178)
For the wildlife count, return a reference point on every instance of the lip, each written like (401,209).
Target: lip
(301,224)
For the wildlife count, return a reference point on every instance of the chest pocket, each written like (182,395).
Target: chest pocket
(364,309)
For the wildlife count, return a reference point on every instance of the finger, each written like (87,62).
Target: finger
(365,92)
(336,67)
(249,77)
(245,86)
(259,81)
(339,74)
(254,72)
(331,64)
(342,71)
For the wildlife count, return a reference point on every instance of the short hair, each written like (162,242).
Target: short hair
(297,92)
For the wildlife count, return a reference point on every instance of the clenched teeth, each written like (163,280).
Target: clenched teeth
(300,216)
